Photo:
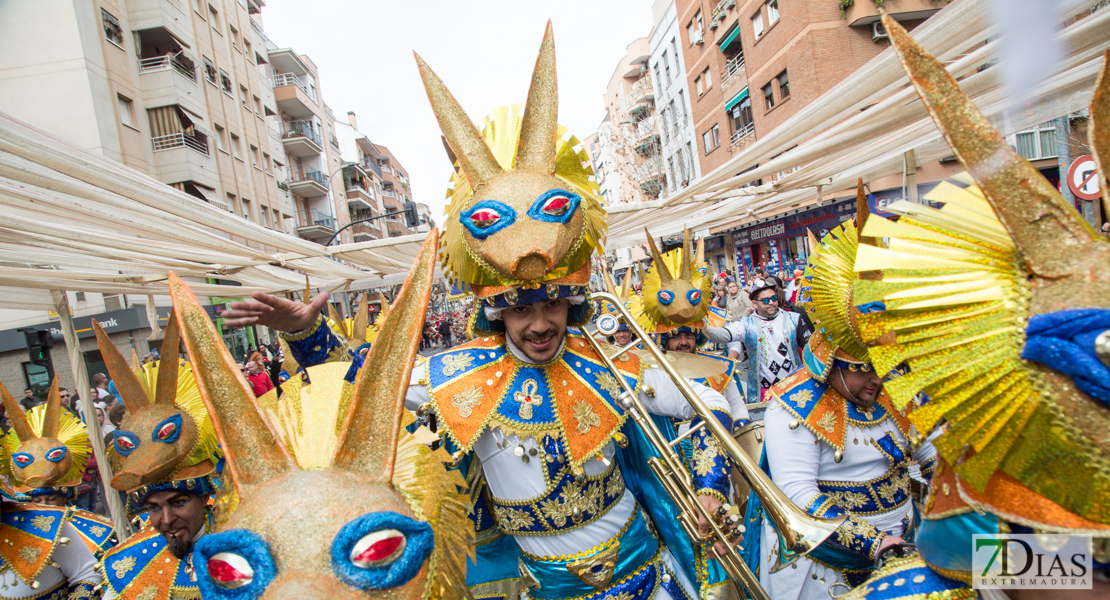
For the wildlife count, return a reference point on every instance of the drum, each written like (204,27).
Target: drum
(750,438)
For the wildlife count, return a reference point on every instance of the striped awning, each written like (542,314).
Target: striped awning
(736,99)
(730,37)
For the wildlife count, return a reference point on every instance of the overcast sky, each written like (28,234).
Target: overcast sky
(483,50)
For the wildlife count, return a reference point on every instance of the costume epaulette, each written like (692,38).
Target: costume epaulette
(481,383)
(827,414)
(30,535)
(143,567)
(96,531)
(718,382)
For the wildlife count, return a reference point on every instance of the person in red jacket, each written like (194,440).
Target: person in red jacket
(260,382)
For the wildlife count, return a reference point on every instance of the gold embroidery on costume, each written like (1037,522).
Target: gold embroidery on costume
(850,500)
(528,398)
(607,383)
(42,523)
(456,362)
(586,417)
(703,457)
(150,592)
(30,554)
(123,566)
(97,530)
(467,400)
(828,422)
(802,397)
(515,517)
(587,501)
(597,570)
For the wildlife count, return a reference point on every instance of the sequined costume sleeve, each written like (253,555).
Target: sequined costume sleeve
(711,465)
(795,459)
(77,564)
(319,344)
(926,455)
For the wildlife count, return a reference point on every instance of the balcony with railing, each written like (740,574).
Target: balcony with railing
(365,232)
(180,62)
(360,197)
(742,132)
(180,140)
(301,138)
(307,182)
(639,97)
(389,193)
(334,140)
(315,224)
(294,95)
(370,165)
(646,130)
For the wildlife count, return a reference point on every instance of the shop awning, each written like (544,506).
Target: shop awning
(737,99)
(732,35)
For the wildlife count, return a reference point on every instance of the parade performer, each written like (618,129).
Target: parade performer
(623,336)
(999,304)
(164,456)
(675,308)
(837,445)
(44,455)
(96,531)
(330,492)
(563,496)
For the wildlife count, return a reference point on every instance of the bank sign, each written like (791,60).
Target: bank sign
(818,220)
(112,322)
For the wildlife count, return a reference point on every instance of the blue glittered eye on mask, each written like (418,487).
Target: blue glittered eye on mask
(168,431)
(487,218)
(555,206)
(234,564)
(22,459)
(125,442)
(56,454)
(694,296)
(665,298)
(381,550)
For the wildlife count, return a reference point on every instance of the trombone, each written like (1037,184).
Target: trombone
(798,531)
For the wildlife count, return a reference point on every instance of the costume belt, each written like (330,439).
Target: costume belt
(625,566)
(876,496)
(566,506)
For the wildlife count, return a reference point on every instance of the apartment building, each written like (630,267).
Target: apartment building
(362,180)
(672,99)
(191,92)
(628,135)
(395,192)
(752,65)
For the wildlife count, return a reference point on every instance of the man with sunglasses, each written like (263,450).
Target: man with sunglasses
(767,340)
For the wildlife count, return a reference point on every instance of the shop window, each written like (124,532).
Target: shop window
(112,30)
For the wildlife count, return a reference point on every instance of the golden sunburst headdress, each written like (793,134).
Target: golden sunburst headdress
(524,216)
(1000,300)
(47,449)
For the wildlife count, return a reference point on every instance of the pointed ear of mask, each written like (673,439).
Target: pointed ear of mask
(1034,213)
(131,391)
(52,419)
(687,273)
(540,128)
(368,441)
(476,159)
(1098,129)
(610,286)
(626,289)
(15,414)
(362,320)
(166,393)
(254,453)
(665,275)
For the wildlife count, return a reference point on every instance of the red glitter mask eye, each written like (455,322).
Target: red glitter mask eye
(556,206)
(378,549)
(125,443)
(166,431)
(56,454)
(485,218)
(229,570)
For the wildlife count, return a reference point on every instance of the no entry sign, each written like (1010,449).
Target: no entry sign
(1083,180)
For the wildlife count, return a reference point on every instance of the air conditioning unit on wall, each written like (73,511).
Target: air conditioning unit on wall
(699,37)
(878,32)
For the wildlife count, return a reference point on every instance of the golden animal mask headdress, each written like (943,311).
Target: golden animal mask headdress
(524,216)
(677,289)
(166,439)
(361,510)
(47,447)
(999,301)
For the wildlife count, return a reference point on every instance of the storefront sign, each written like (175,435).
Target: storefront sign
(822,218)
(113,322)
